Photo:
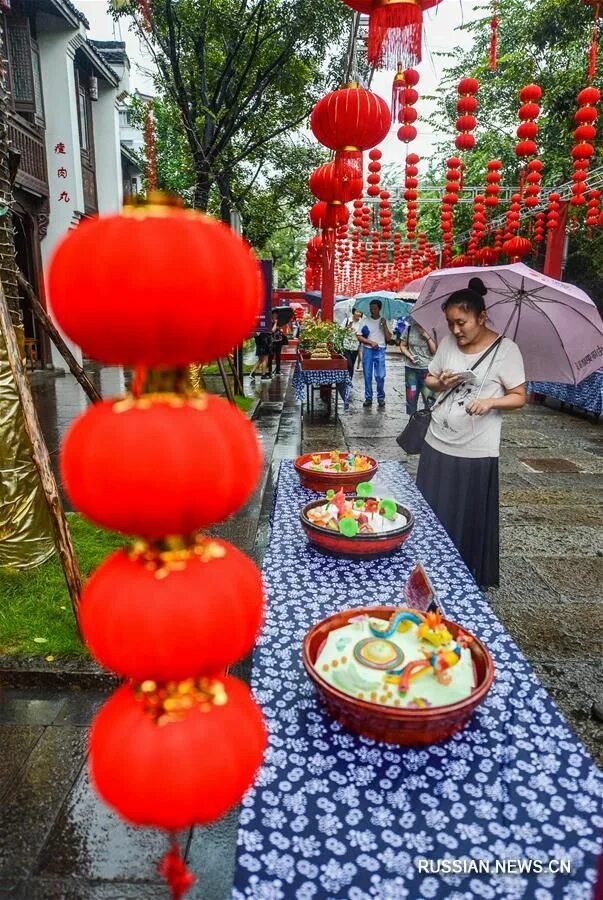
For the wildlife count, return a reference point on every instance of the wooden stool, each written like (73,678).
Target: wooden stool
(31,352)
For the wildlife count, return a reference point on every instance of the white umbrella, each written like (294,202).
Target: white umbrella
(556,325)
(342,311)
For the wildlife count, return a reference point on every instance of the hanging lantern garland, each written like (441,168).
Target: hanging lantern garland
(349,121)
(449,200)
(407,114)
(374,176)
(155,613)
(493,183)
(592,211)
(584,135)
(540,228)
(466,107)
(528,113)
(385,215)
(411,194)
(552,217)
(395,30)
(478,225)
(513,217)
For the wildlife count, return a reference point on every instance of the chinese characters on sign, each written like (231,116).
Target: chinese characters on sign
(62,172)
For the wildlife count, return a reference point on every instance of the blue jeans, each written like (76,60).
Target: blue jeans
(415,387)
(373,360)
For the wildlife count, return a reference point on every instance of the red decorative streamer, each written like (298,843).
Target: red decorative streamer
(150,149)
(492,61)
(592,56)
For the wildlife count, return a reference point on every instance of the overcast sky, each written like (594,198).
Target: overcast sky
(440,34)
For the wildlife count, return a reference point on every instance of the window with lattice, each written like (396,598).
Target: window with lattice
(24,70)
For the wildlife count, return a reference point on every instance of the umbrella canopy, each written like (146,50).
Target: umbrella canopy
(342,311)
(391,306)
(285,314)
(314,298)
(556,325)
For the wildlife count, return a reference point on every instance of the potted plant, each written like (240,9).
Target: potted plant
(321,345)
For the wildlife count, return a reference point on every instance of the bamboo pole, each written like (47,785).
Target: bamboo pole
(225,381)
(41,460)
(54,335)
(235,375)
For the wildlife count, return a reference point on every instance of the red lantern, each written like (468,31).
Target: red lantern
(147,287)
(349,121)
(160,465)
(517,247)
(339,185)
(394,30)
(407,133)
(178,765)
(172,614)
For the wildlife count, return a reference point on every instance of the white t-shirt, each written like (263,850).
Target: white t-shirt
(454,431)
(375,327)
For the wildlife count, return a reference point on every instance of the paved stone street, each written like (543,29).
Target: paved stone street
(57,842)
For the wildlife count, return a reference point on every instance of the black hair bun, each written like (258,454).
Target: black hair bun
(477,285)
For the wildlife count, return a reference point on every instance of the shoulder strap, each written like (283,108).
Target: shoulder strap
(485,354)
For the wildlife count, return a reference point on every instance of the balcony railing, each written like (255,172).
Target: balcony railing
(32,173)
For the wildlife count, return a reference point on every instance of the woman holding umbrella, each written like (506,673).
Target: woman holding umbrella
(478,374)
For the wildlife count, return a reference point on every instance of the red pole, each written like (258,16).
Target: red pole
(328,279)
(555,247)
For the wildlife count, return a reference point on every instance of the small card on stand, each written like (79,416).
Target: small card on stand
(419,592)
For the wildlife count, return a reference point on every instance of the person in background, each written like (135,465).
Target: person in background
(418,349)
(373,334)
(263,348)
(458,468)
(350,341)
(277,345)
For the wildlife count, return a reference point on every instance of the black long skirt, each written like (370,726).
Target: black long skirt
(463,494)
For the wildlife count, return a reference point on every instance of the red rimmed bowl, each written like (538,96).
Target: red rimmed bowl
(395,725)
(362,546)
(324,481)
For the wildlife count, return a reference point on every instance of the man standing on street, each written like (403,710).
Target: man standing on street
(373,334)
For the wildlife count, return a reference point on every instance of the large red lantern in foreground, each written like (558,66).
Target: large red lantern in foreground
(182,744)
(349,121)
(147,287)
(178,755)
(395,30)
(167,614)
(115,454)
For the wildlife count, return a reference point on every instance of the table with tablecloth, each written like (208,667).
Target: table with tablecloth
(307,379)
(335,815)
(588,395)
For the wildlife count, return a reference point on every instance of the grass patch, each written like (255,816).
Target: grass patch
(34,603)
(244,403)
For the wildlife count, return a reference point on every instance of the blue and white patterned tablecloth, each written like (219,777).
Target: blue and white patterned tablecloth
(587,395)
(303,377)
(335,816)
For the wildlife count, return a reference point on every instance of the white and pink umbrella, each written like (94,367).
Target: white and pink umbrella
(557,326)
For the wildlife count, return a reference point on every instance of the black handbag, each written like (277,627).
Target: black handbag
(412,438)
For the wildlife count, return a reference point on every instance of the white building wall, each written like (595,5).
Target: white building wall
(62,146)
(107,151)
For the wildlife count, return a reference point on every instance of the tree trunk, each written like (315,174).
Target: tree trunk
(202,186)
(25,529)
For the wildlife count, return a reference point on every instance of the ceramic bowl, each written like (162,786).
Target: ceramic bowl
(395,725)
(324,481)
(362,546)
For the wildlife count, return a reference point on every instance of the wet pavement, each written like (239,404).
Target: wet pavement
(58,842)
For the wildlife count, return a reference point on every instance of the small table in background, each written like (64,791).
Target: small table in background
(313,379)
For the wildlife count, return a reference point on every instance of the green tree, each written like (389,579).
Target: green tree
(235,76)
(540,41)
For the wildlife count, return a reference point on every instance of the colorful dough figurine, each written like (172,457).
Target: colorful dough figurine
(361,515)
(412,660)
(336,462)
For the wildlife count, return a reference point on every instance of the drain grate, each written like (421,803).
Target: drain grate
(551,464)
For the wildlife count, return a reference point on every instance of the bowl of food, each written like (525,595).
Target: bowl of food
(357,526)
(396,674)
(334,469)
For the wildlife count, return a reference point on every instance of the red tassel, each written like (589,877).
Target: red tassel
(593,45)
(146,14)
(494,43)
(173,870)
(348,158)
(395,32)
